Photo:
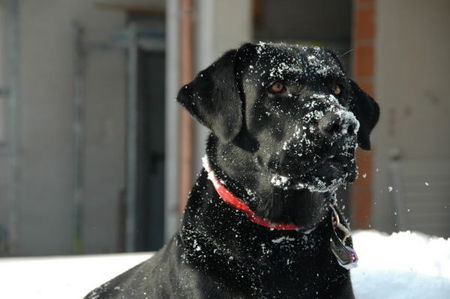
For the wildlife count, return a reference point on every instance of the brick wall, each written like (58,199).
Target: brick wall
(363,72)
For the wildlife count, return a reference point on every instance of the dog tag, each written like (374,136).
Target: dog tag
(345,255)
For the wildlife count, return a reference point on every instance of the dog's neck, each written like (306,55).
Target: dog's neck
(237,168)
(240,205)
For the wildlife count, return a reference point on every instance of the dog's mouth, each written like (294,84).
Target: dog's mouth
(325,176)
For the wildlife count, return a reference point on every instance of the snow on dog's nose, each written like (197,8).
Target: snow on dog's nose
(338,123)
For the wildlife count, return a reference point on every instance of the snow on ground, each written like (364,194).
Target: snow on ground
(403,265)
(61,277)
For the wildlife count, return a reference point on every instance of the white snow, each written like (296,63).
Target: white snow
(320,66)
(279,180)
(347,118)
(61,277)
(282,239)
(403,265)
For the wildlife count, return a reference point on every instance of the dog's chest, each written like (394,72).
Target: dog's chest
(282,266)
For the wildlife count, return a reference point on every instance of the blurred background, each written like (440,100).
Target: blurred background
(96,156)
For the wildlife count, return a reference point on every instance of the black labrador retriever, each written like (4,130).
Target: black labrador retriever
(261,220)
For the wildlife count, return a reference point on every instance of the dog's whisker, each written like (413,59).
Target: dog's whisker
(346,53)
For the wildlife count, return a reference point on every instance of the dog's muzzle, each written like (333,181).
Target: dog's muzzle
(319,153)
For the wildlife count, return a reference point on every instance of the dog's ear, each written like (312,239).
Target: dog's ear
(366,111)
(213,98)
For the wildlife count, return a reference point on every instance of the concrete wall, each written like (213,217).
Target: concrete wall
(45,202)
(3,111)
(412,87)
(2,74)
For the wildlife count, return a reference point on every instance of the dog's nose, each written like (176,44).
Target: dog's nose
(340,123)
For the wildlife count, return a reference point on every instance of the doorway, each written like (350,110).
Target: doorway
(147,76)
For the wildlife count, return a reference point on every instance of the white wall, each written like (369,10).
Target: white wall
(412,87)
(2,74)
(45,202)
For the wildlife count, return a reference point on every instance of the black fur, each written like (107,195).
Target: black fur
(366,111)
(213,98)
(284,154)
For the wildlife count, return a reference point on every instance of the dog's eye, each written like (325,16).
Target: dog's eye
(277,87)
(336,89)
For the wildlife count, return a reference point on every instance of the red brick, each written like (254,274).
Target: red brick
(364,23)
(362,209)
(365,1)
(364,61)
(366,85)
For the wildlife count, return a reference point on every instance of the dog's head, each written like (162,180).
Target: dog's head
(285,117)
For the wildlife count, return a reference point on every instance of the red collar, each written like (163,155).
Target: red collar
(238,204)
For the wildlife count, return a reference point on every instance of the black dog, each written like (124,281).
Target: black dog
(261,220)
